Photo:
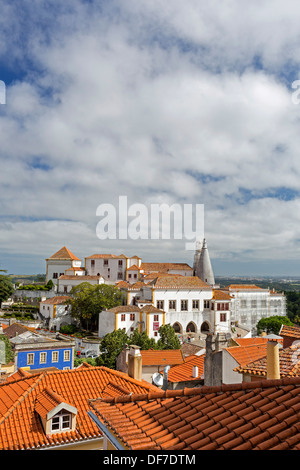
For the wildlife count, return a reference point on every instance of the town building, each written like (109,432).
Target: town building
(36,351)
(261,415)
(55,312)
(251,303)
(57,264)
(66,282)
(153,361)
(48,409)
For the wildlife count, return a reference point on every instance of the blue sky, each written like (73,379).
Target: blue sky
(164,102)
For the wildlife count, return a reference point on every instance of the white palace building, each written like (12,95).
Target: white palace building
(166,293)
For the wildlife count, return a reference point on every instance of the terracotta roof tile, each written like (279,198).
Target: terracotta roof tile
(64,253)
(179,282)
(20,426)
(291,331)
(59,299)
(162,357)
(289,363)
(256,415)
(184,372)
(246,354)
(164,267)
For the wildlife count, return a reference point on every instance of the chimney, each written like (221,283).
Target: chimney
(195,372)
(273,369)
(165,377)
(135,363)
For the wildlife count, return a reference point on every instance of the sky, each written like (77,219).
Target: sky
(181,102)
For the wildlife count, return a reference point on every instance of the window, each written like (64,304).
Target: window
(129,276)
(195,304)
(65,289)
(55,275)
(54,356)
(120,262)
(160,304)
(253,303)
(131,328)
(135,276)
(120,276)
(206,303)
(92,262)
(61,421)
(30,359)
(105,262)
(184,305)
(132,316)
(67,355)
(222,317)
(156,317)
(61,274)
(172,304)
(243,303)
(155,333)
(122,316)
(43,358)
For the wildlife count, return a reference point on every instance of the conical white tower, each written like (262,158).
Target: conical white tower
(204,269)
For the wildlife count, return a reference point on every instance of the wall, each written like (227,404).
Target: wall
(228,374)
(21,360)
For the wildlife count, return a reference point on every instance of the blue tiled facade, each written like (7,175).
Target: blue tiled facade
(41,358)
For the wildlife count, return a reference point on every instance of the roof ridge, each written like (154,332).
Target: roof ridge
(16,403)
(205,390)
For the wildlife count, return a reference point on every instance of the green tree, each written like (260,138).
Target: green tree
(87,301)
(168,338)
(8,356)
(272,324)
(6,287)
(110,347)
(142,340)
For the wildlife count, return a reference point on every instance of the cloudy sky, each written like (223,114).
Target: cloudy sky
(179,102)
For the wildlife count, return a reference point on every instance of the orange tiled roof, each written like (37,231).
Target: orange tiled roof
(221,295)
(244,287)
(164,267)
(184,372)
(64,253)
(106,256)
(245,354)
(289,363)
(134,267)
(163,357)
(179,282)
(59,299)
(254,340)
(261,415)
(20,426)
(291,331)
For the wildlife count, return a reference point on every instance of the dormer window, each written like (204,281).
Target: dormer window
(55,413)
(61,422)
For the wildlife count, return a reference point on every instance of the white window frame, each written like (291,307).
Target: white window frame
(42,354)
(59,421)
(30,359)
(67,356)
(55,354)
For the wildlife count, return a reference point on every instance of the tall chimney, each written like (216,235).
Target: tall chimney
(135,363)
(273,369)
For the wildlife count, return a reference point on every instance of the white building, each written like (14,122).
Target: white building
(55,312)
(58,263)
(111,267)
(131,317)
(251,303)
(66,283)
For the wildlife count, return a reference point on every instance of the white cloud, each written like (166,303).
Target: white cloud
(160,102)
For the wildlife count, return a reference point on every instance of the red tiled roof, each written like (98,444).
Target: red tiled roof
(221,295)
(289,363)
(254,340)
(291,331)
(162,357)
(106,256)
(164,267)
(179,282)
(20,426)
(245,354)
(244,287)
(261,415)
(59,299)
(184,372)
(64,253)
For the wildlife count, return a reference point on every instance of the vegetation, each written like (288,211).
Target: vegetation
(88,300)
(9,355)
(6,288)
(113,343)
(272,324)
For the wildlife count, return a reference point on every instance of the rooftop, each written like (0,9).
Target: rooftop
(162,357)
(20,426)
(262,415)
(64,254)
(179,282)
